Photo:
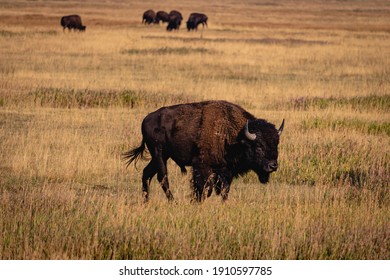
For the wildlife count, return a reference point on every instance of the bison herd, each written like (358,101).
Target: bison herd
(174,19)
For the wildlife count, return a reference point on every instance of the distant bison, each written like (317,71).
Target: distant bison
(149,17)
(220,140)
(195,19)
(175,19)
(162,16)
(72,22)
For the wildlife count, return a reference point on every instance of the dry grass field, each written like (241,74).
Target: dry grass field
(71,103)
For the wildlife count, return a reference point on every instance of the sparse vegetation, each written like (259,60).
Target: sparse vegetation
(357,103)
(347,124)
(71,103)
(166,50)
(87,98)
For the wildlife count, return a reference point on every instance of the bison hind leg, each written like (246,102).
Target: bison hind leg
(149,171)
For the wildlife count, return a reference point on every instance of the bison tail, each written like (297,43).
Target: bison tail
(134,154)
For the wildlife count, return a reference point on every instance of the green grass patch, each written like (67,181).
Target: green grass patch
(289,42)
(335,163)
(88,98)
(168,51)
(367,127)
(8,34)
(358,103)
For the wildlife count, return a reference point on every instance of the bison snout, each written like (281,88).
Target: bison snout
(272,166)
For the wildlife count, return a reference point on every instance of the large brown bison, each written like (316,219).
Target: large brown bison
(149,17)
(72,22)
(175,19)
(195,19)
(220,140)
(162,16)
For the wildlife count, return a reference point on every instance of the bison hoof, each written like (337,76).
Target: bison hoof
(146,197)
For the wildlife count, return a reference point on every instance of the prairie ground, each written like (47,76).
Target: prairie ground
(72,102)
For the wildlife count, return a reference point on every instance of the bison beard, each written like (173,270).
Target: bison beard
(220,140)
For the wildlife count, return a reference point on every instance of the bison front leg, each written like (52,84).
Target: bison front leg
(202,178)
(222,185)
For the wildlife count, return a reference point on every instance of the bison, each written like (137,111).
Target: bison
(175,19)
(218,139)
(195,19)
(72,22)
(149,17)
(162,16)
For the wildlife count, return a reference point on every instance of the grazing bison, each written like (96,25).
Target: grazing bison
(195,19)
(174,23)
(72,22)
(175,19)
(220,140)
(149,17)
(162,16)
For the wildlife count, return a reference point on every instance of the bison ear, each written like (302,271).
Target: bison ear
(280,130)
(250,136)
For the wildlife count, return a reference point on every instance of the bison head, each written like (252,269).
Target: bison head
(261,141)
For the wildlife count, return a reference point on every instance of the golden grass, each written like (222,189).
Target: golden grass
(71,103)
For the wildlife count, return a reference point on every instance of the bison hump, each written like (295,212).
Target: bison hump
(220,126)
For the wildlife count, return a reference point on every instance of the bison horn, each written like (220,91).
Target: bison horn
(280,130)
(250,136)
